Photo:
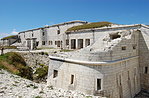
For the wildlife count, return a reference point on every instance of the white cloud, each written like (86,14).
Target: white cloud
(2,34)
(14,32)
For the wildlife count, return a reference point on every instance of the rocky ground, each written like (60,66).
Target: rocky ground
(13,86)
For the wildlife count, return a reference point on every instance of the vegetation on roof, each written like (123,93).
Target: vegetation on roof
(89,26)
(8,37)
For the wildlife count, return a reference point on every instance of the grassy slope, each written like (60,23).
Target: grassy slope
(15,64)
(89,26)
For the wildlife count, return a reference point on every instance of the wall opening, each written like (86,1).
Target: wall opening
(134,47)
(124,48)
(58,31)
(114,36)
(87,42)
(72,79)
(73,43)
(43,42)
(146,70)
(58,43)
(80,43)
(98,84)
(55,73)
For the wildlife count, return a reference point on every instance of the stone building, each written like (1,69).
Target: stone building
(9,40)
(110,61)
(48,36)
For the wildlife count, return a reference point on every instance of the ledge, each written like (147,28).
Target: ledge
(90,62)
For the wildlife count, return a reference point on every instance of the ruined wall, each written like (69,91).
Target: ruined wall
(36,60)
(118,80)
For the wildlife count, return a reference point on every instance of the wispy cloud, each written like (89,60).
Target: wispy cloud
(14,32)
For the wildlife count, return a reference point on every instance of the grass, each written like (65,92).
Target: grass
(15,64)
(41,72)
(89,26)
(38,97)
(65,50)
(8,37)
(8,47)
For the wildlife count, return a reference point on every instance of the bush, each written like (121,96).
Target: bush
(41,72)
(15,64)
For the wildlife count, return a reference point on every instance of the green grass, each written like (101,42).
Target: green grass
(65,50)
(89,26)
(15,64)
(41,72)
(8,37)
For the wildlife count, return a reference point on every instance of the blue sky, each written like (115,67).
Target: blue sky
(20,15)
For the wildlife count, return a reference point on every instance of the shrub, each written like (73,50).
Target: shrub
(41,72)
(15,64)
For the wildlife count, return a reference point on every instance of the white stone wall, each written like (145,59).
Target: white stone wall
(144,57)
(118,79)
(50,34)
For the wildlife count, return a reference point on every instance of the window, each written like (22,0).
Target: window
(134,47)
(32,35)
(114,36)
(87,42)
(124,48)
(58,31)
(55,42)
(73,43)
(67,42)
(43,42)
(98,84)
(72,79)
(55,73)
(50,42)
(146,70)
(58,43)
(43,33)
(80,43)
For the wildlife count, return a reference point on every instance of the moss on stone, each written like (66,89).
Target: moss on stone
(89,26)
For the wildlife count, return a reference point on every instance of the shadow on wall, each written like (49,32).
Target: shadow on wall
(144,60)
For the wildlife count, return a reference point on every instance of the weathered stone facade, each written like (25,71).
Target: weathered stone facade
(115,64)
(50,36)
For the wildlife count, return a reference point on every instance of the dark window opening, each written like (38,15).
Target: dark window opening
(114,36)
(58,43)
(80,43)
(37,43)
(72,79)
(50,43)
(32,35)
(134,47)
(43,33)
(146,70)
(124,48)
(55,42)
(43,42)
(98,84)
(55,73)
(58,31)
(73,43)
(87,42)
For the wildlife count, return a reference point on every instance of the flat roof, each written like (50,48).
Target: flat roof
(107,28)
(69,22)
